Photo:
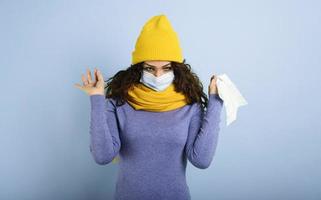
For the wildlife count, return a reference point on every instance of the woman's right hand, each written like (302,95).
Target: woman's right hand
(92,87)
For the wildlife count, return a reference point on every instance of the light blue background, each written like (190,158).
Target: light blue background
(269,49)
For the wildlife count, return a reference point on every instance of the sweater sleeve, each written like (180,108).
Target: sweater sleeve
(203,133)
(104,130)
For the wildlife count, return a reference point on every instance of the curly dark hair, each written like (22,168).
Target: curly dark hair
(185,81)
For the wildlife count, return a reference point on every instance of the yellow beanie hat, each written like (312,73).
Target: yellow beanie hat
(157,41)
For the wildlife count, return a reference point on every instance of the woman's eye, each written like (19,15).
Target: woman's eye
(147,68)
(151,69)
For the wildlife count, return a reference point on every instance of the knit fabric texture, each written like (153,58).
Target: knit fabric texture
(154,147)
(157,41)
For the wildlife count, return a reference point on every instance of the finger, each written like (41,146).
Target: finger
(84,80)
(214,78)
(99,75)
(78,86)
(89,75)
(96,75)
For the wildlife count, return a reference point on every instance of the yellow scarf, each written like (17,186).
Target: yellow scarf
(142,97)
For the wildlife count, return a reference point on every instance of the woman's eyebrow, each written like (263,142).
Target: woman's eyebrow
(155,66)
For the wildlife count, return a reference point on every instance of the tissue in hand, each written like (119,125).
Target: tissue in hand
(231,96)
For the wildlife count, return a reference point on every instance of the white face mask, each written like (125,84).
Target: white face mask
(157,83)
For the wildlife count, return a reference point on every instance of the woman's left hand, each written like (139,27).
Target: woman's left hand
(212,88)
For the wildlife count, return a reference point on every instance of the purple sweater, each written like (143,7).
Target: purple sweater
(153,146)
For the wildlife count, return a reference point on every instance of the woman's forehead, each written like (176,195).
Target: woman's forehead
(157,63)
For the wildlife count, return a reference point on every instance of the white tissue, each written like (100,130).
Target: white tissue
(231,96)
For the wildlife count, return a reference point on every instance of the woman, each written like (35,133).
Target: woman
(155,116)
